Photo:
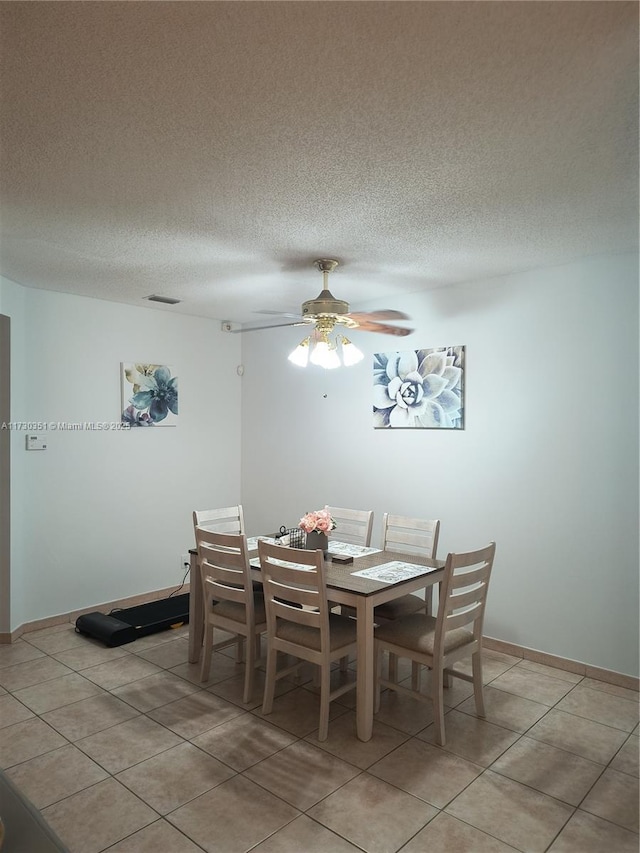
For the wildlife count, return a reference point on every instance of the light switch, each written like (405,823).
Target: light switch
(36,442)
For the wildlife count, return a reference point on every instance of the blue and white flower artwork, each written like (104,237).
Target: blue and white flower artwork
(419,389)
(149,395)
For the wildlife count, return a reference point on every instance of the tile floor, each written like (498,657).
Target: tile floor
(124,750)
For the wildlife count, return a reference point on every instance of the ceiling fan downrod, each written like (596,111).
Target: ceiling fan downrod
(325,302)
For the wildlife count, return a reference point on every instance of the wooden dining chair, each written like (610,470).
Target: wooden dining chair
(300,624)
(352,525)
(230,601)
(227,519)
(438,642)
(417,537)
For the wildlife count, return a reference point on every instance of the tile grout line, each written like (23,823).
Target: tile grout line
(302,739)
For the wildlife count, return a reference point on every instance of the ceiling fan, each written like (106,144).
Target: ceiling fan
(325,312)
(323,347)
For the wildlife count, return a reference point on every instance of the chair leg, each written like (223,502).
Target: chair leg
(393,667)
(206,653)
(476,669)
(325,690)
(270,683)
(428,601)
(415,675)
(249,670)
(438,705)
(240,650)
(376,683)
(298,676)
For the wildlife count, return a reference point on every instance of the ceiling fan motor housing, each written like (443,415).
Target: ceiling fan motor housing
(324,303)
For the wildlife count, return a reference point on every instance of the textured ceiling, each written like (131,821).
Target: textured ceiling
(209,151)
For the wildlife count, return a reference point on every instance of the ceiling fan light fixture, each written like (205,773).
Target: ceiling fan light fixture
(300,355)
(325,350)
(350,353)
(325,347)
(325,354)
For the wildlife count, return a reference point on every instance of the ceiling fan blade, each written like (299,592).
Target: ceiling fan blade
(250,327)
(384,314)
(326,311)
(383,329)
(280,314)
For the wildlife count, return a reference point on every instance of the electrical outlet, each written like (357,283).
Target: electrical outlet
(185,562)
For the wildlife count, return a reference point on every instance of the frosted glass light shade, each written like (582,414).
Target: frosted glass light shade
(350,353)
(300,355)
(325,356)
(326,352)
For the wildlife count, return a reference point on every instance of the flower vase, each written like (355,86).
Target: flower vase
(316,540)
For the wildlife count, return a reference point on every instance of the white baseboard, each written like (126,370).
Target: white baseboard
(609,676)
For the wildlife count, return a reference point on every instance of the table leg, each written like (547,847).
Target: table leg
(428,594)
(365,664)
(428,597)
(196,621)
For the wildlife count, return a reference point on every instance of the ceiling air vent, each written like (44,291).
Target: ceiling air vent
(166,300)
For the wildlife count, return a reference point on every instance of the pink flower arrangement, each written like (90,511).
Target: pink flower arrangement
(320,520)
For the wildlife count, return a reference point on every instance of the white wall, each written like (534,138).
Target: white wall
(547,465)
(102,515)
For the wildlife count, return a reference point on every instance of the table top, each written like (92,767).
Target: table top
(340,576)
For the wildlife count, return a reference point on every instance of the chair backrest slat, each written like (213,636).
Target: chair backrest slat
(291,589)
(466,579)
(233,559)
(224,592)
(410,535)
(285,610)
(464,599)
(460,620)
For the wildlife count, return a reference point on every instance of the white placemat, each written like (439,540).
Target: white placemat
(252,542)
(255,562)
(393,572)
(350,550)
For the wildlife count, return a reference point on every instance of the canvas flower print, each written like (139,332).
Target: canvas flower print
(149,395)
(419,389)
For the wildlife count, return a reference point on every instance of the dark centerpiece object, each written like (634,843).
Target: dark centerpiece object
(315,540)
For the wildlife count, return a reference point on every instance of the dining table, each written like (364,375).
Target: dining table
(388,575)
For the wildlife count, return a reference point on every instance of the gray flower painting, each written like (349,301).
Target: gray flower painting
(419,389)
(149,395)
